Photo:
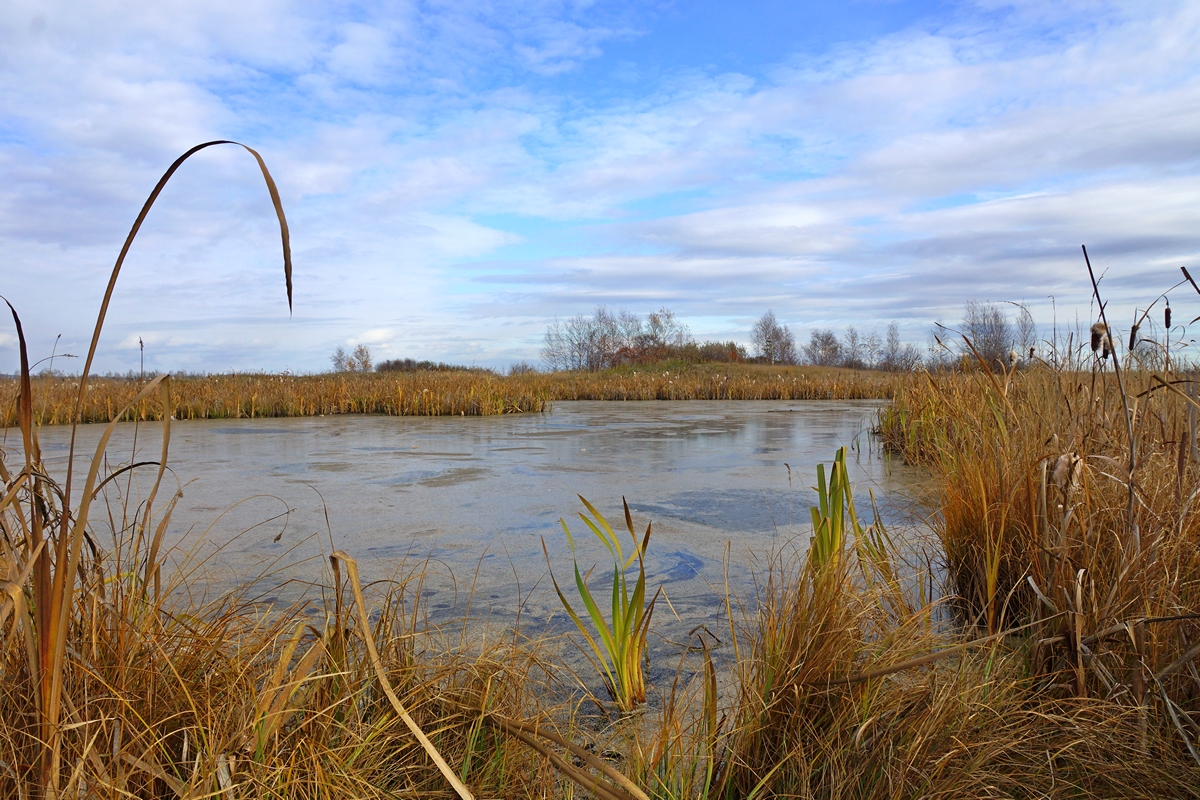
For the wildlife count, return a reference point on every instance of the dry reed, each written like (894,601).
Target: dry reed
(1067,670)
(436,393)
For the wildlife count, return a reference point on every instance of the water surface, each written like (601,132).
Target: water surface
(477,496)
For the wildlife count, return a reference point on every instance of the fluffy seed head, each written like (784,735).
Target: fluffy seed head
(1068,469)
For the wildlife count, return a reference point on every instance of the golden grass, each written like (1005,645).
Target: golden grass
(436,393)
(1067,669)
(1032,487)
(833,682)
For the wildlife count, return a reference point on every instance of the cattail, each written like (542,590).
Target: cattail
(1032,350)
(1101,339)
(1068,469)
(1133,332)
(1167,315)
(1013,358)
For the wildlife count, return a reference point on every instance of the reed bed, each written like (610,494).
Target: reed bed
(256,396)
(1042,524)
(721,382)
(435,393)
(833,680)
(837,679)
(1059,662)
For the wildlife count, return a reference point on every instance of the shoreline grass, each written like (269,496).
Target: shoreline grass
(436,393)
(834,681)
(837,679)
(1065,670)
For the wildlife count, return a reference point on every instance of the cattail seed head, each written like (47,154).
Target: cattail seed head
(1098,331)
(1133,335)
(1068,469)
(1167,315)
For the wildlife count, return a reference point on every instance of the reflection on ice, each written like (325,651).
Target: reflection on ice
(476,495)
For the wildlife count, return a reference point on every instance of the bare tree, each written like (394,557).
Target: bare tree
(360,360)
(580,340)
(872,348)
(989,331)
(606,339)
(602,338)
(554,351)
(823,348)
(772,341)
(664,330)
(787,347)
(853,349)
(897,356)
(630,327)
(339,359)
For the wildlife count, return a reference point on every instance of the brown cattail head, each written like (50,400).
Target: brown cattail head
(1031,352)
(1098,335)
(1167,315)
(1133,336)
(1068,469)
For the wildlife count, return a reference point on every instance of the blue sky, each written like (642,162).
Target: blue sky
(458,174)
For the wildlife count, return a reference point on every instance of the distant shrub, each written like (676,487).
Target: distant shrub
(412,365)
(358,361)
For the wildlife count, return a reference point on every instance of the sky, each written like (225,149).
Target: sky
(457,175)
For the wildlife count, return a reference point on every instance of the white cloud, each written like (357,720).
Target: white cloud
(448,197)
(373,336)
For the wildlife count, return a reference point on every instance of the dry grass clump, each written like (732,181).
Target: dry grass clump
(253,396)
(1072,557)
(1041,526)
(721,382)
(812,723)
(161,694)
(436,393)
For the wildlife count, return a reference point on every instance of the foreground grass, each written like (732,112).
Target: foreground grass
(1059,663)
(437,393)
(837,679)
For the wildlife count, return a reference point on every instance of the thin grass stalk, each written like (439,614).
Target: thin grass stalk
(1133,527)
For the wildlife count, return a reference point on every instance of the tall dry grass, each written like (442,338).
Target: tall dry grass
(1041,524)
(1066,670)
(117,683)
(435,393)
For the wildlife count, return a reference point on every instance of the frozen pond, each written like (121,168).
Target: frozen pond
(477,495)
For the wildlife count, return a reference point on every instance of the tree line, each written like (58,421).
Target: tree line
(607,339)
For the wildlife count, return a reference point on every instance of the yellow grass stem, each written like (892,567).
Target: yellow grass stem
(369,640)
